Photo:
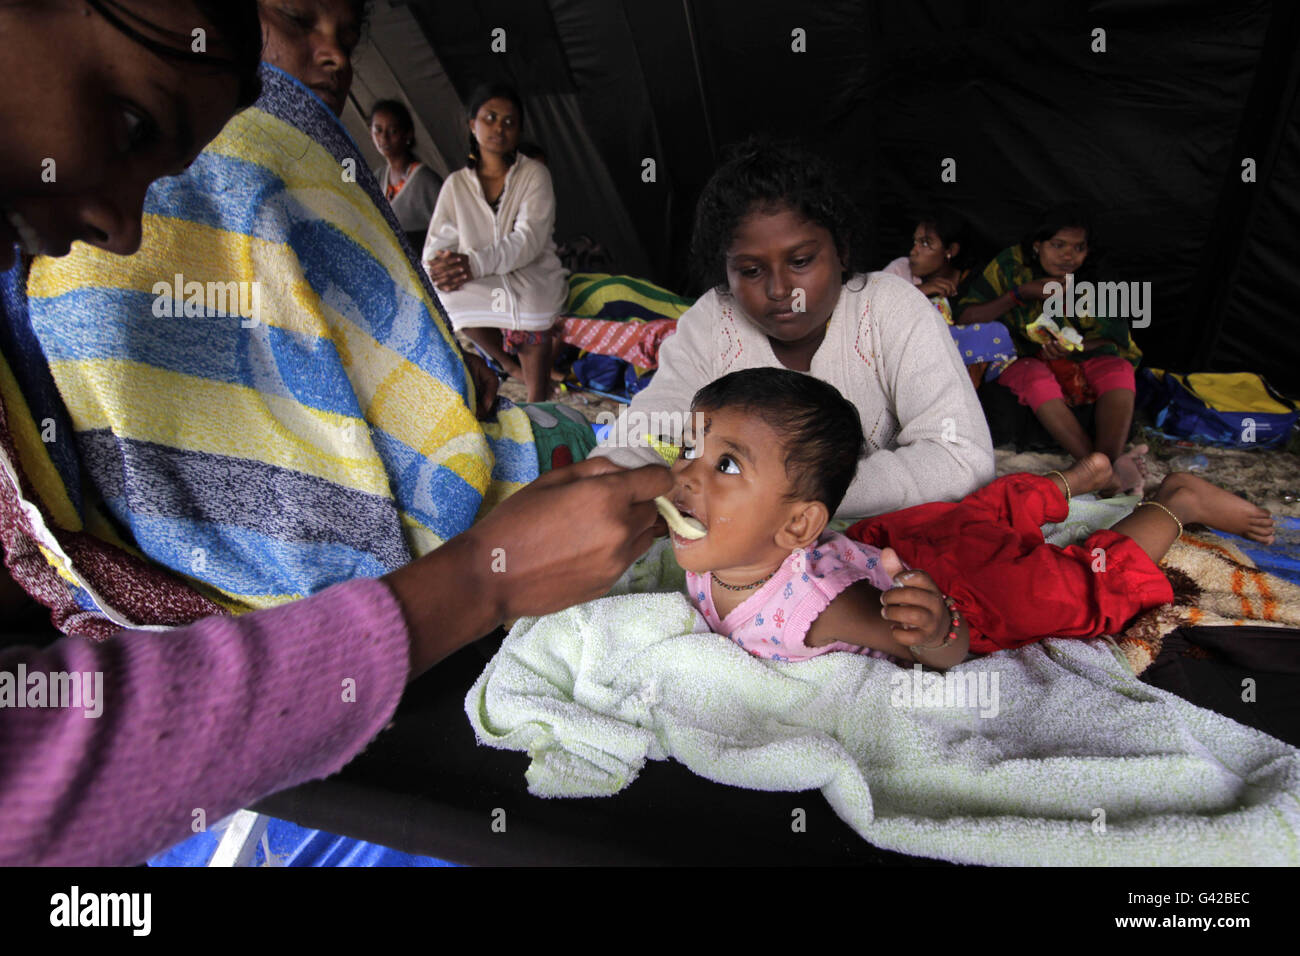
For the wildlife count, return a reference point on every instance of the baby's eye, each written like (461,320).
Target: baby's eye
(727,465)
(690,452)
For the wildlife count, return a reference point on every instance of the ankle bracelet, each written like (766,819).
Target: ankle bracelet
(1065,481)
(1166,511)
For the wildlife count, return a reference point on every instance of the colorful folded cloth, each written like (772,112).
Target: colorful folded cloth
(267,396)
(634,342)
(620,316)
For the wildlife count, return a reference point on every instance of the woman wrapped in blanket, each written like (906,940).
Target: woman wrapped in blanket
(936,265)
(1050,376)
(781,246)
(129,103)
(489,250)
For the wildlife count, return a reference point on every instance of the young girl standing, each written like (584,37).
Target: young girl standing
(780,246)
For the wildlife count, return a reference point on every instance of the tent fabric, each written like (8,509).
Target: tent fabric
(1152,131)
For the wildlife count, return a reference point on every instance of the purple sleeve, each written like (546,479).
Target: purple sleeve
(207,718)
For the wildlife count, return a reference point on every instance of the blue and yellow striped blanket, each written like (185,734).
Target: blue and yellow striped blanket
(267,396)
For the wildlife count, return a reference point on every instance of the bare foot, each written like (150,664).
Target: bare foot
(1090,473)
(1193,498)
(1130,473)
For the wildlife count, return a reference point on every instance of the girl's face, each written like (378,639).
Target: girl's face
(392,139)
(91,118)
(785,272)
(496,126)
(1064,253)
(733,481)
(928,254)
(313,40)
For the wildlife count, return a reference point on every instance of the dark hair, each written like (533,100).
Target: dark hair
(362,10)
(399,111)
(764,175)
(948,225)
(237,27)
(483,93)
(1067,215)
(820,428)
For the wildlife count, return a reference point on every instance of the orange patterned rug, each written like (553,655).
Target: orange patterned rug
(1214,584)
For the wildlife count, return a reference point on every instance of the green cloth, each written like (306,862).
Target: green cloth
(557,425)
(1009,270)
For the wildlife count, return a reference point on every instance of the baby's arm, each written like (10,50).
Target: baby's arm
(893,621)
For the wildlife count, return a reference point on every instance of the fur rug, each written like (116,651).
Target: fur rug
(1215,584)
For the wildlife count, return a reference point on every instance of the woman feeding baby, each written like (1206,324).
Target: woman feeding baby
(776,452)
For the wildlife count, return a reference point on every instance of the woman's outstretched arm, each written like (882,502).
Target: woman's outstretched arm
(173,731)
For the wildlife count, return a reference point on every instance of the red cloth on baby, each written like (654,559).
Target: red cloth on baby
(987,552)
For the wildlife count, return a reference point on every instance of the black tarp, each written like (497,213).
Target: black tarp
(1152,131)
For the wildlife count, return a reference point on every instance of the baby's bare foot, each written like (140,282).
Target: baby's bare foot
(1193,498)
(1090,473)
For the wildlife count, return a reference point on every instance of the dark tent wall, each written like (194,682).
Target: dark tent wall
(1151,131)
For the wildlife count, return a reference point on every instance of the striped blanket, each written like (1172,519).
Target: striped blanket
(621,316)
(267,396)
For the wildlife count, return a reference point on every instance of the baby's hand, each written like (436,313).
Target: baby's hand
(914,606)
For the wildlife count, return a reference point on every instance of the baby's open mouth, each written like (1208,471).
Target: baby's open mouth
(684,525)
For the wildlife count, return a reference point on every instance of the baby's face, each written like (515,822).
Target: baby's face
(733,481)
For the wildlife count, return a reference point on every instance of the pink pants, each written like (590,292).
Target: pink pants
(1033,382)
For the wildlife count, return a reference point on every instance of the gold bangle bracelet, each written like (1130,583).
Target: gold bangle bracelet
(1065,481)
(1166,511)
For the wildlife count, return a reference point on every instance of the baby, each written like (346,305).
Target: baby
(777,451)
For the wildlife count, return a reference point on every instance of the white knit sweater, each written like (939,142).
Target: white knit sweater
(518,281)
(886,350)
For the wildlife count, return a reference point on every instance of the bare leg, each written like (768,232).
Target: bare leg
(556,345)
(1193,499)
(489,340)
(536,362)
(1064,427)
(1114,421)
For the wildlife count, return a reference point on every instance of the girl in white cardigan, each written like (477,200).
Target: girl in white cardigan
(780,244)
(489,249)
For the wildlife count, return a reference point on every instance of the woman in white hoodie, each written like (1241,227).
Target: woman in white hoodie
(489,249)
